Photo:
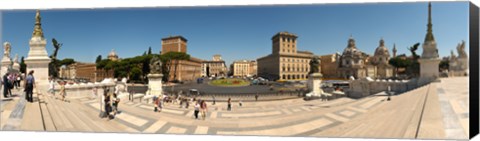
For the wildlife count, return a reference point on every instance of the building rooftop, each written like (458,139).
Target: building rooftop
(284,33)
(174,37)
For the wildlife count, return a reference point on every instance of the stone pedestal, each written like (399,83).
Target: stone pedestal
(428,70)
(6,62)
(16,66)
(155,84)
(38,61)
(314,82)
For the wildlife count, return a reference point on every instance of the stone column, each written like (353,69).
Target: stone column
(428,70)
(38,61)
(314,81)
(155,84)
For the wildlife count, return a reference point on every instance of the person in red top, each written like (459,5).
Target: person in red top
(203,108)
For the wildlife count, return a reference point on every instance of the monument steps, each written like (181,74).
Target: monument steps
(71,116)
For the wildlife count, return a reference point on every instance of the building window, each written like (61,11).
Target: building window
(284,77)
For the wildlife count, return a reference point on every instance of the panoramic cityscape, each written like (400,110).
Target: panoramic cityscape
(396,70)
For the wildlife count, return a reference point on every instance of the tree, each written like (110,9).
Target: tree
(399,62)
(444,65)
(230,71)
(173,58)
(99,58)
(66,61)
(135,74)
(149,50)
(23,66)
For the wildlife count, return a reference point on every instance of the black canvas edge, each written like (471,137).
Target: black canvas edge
(474,73)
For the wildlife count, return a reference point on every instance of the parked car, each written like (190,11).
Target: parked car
(194,92)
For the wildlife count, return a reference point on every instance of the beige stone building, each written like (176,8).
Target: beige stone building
(244,68)
(214,67)
(285,62)
(186,70)
(329,65)
(358,64)
(87,71)
(381,61)
(353,62)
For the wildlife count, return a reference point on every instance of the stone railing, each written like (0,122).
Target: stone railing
(86,89)
(367,86)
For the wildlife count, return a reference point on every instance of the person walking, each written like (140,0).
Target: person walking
(10,83)
(5,85)
(203,108)
(197,109)
(29,86)
(51,88)
(213,98)
(256,97)
(229,104)
(19,78)
(62,90)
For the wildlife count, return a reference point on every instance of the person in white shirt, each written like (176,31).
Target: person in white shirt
(51,88)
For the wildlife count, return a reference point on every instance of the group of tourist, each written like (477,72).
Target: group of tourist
(110,103)
(10,81)
(200,107)
(51,88)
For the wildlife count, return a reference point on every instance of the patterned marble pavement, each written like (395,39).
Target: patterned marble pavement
(367,117)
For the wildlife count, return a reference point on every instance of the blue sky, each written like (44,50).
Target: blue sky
(242,32)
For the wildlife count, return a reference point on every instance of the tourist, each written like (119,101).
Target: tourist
(213,98)
(11,79)
(29,86)
(203,107)
(62,90)
(115,102)
(105,102)
(158,104)
(5,85)
(108,104)
(51,88)
(229,104)
(256,97)
(19,78)
(102,101)
(187,103)
(94,93)
(14,81)
(197,109)
(181,101)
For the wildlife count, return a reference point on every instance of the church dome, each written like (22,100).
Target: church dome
(351,49)
(381,49)
(112,53)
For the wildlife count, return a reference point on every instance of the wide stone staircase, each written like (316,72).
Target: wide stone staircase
(409,115)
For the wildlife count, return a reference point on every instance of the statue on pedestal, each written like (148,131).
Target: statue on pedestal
(37,30)
(6,49)
(461,50)
(155,65)
(314,63)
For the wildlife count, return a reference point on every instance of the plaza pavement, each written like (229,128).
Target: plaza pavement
(435,111)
